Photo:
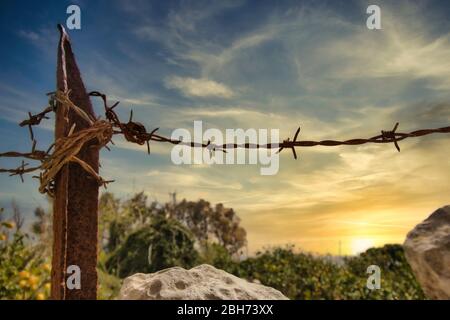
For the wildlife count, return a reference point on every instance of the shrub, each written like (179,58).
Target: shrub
(304,276)
(162,244)
(24,274)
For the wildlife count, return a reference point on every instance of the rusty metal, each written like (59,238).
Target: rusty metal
(76,193)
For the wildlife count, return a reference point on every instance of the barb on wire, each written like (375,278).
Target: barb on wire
(287,142)
(103,130)
(20,171)
(34,120)
(390,136)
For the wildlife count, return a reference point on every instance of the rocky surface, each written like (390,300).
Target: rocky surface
(203,282)
(427,249)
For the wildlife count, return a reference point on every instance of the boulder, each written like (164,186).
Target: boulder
(427,249)
(203,282)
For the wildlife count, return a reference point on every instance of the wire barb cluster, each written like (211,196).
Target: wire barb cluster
(103,130)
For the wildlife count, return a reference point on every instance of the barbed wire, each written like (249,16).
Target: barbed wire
(136,132)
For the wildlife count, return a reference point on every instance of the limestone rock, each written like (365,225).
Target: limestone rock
(203,282)
(427,249)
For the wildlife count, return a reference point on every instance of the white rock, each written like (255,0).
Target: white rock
(427,249)
(203,282)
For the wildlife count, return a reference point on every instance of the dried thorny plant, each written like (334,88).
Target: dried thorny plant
(66,149)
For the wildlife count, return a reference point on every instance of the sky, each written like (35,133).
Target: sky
(253,64)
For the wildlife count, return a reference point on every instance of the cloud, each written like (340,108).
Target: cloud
(202,87)
(405,49)
(44,39)
(30,35)
(211,62)
(188,180)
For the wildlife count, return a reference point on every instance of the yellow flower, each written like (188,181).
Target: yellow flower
(40,296)
(33,280)
(34,287)
(2,237)
(47,267)
(8,224)
(23,284)
(24,274)
(47,286)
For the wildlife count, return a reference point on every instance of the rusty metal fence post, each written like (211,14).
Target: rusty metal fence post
(76,192)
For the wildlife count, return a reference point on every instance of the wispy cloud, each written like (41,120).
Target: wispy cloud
(30,35)
(192,87)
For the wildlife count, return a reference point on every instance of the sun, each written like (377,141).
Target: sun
(361,244)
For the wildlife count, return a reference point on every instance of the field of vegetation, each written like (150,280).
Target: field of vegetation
(136,235)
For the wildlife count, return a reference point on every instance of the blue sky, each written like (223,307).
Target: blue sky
(253,64)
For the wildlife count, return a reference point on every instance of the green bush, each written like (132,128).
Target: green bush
(163,243)
(218,256)
(304,276)
(297,275)
(24,273)
(397,279)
